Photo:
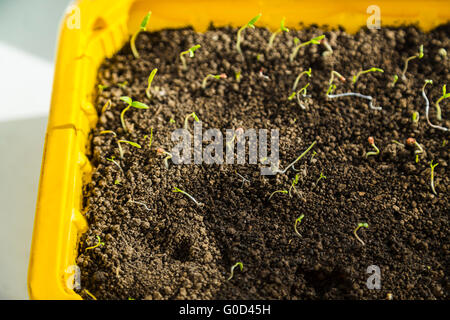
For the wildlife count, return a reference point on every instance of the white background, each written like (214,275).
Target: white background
(28,36)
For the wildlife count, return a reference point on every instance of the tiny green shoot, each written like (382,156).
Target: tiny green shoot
(320,178)
(394,81)
(151,138)
(360,73)
(175,189)
(189,51)
(108,132)
(123,85)
(432,166)
(218,76)
(419,149)
(301,92)
(238,76)
(415,117)
(427,107)
(107,106)
(371,141)
(165,153)
(113,160)
(316,40)
(280,30)
(130,103)
(419,55)
(296,160)
(238,264)
(308,73)
(445,95)
(134,144)
(99,243)
(331,85)
(360,225)
(278,191)
(143,27)
(294,183)
(250,24)
(186,119)
(101,88)
(297,221)
(149,85)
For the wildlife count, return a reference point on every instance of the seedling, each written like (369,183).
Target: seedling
(238,264)
(150,80)
(371,141)
(360,225)
(113,160)
(296,160)
(418,55)
(301,92)
(355,78)
(332,86)
(413,142)
(415,117)
(238,76)
(189,51)
(143,27)
(218,76)
(427,107)
(280,30)
(250,24)
(394,81)
(90,294)
(445,95)
(130,103)
(101,88)
(175,189)
(308,73)
(355,94)
(151,138)
(140,203)
(294,183)
(134,144)
(244,180)
(99,243)
(168,155)
(278,191)
(316,40)
(107,106)
(123,85)
(297,221)
(262,75)
(108,132)
(186,120)
(432,166)
(327,46)
(320,178)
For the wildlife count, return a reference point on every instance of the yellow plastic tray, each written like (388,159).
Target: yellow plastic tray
(105,26)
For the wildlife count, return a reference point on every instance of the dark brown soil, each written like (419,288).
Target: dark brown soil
(177,250)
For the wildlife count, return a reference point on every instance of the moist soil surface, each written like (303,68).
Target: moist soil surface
(158,244)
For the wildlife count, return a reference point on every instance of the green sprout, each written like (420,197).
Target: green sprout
(108,132)
(189,51)
(328,47)
(218,76)
(297,221)
(445,95)
(165,153)
(296,160)
(123,85)
(320,178)
(294,183)
(186,120)
(432,166)
(150,80)
(172,120)
(316,40)
(308,73)
(419,150)
(238,264)
(301,92)
(101,88)
(278,191)
(238,76)
(250,24)
(151,138)
(360,225)
(134,144)
(130,103)
(143,27)
(99,243)
(107,106)
(419,55)
(427,107)
(175,189)
(332,86)
(394,81)
(113,160)
(371,141)
(415,117)
(280,30)
(355,78)
(444,143)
